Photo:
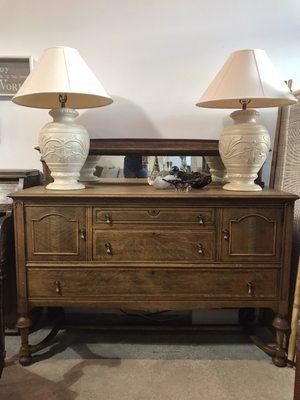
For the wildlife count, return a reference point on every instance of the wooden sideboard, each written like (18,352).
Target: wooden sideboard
(131,246)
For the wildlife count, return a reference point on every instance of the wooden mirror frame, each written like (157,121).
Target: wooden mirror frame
(155,147)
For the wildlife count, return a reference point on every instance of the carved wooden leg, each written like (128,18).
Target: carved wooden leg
(23,324)
(281,326)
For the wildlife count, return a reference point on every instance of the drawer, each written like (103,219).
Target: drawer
(110,217)
(179,283)
(251,234)
(55,233)
(153,246)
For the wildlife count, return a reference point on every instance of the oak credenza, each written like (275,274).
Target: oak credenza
(135,247)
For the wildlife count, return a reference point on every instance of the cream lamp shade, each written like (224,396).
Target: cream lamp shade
(247,79)
(61,70)
(62,81)
(247,75)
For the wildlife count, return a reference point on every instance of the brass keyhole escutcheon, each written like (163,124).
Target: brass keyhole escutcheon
(226,234)
(82,233)
(108,248)
(57,287)
(250,288)
(200,248)
(108,219)
(200,219)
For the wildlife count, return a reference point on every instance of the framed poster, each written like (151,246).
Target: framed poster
(13,72)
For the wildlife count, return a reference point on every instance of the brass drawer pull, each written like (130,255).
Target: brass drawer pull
(250,287)
(108,219)
(82,233)
(200,219)
(200,248)
(57,287)
(226,234)
(108,248)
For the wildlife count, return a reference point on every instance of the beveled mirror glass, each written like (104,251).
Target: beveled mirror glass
(136,158)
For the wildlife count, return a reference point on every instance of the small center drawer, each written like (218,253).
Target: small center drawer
(153,246)
(200,217)
(110,283)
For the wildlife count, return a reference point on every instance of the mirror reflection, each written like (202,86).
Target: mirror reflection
(139,166)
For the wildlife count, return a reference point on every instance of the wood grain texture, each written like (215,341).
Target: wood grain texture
(99,190)
(153,246)
(147,283)
(154,305)
(53,233)
(19,228)
(148,249)
(261,226)
(120,216)
(152,147)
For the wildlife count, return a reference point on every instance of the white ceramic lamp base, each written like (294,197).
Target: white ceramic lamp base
(244,148)
(64,146)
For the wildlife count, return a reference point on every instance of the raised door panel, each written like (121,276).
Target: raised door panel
(153,246)
(55,233)
(251,234)
(146,283)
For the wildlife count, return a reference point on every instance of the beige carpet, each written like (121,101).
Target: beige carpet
(86,367)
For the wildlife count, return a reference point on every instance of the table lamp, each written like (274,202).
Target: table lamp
(62,81)
(247,79)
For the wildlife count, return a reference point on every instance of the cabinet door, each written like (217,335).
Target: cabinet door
(251,234)
(56,233)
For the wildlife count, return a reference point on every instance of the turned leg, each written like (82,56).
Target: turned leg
(282,327)
(23,324)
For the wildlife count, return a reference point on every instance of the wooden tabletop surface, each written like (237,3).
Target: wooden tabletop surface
(113,188)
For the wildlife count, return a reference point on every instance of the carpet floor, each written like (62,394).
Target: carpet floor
(86,366)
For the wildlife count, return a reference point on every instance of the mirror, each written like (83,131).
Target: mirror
(139,166)
(133,160)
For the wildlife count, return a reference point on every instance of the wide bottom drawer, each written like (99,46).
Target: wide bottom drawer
(130,283)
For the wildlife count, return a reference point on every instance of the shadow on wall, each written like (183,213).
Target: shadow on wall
(122,118)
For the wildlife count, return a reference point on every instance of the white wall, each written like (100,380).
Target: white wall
(155,57)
